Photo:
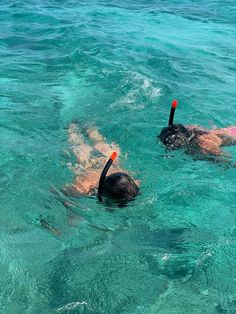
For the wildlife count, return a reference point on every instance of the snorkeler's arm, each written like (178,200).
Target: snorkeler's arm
(107,149)
(80,149)
(49,227)
(72,191)
(63,195)
(94,135)
(100,144)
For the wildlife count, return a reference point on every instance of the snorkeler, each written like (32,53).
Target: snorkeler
(93,166)
(117,187)
(195,140)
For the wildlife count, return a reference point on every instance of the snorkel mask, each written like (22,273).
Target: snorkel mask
(174,136)
(117,187)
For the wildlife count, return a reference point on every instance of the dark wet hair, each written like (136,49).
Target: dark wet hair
(174,136)
(119,187)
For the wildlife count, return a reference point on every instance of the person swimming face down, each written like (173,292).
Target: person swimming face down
(118,187)
(197,141)
(174,136)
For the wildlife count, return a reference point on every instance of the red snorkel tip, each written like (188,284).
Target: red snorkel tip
(113,156)
(172,111)
(174,103)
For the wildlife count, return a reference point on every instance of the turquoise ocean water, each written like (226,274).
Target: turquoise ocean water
(117,65)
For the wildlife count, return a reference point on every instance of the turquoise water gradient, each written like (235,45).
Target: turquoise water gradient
(117,65)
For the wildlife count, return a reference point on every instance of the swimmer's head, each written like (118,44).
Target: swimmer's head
(118,187)
(174,136)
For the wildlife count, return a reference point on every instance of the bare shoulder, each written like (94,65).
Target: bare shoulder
(210,143)
(85,183)
(210,138)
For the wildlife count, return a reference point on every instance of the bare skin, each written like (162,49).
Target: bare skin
(87,181)
(211,142)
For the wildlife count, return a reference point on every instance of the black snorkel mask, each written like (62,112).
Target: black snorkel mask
(103,175)
(174,136)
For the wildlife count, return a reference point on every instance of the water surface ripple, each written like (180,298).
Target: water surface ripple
(116,65)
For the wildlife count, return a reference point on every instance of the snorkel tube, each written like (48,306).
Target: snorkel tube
(172,111)
(103,175)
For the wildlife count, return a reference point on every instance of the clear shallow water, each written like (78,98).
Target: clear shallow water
(117,65)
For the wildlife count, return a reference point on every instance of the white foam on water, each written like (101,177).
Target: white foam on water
(72,306)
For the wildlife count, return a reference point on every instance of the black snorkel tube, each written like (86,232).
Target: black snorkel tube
(172,111)
(103,175)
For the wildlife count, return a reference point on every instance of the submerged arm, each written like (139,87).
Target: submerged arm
(100,144)
(80,149)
